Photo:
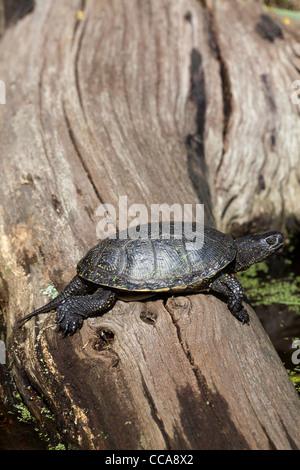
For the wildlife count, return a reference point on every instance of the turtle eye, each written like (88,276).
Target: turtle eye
(271,240)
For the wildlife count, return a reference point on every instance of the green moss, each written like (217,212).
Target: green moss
(50,291)
(295,377)
(58,447)
(285,8)
(24,415)
(264,290)
(47,414)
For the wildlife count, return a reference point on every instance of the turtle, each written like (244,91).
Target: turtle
(170,262)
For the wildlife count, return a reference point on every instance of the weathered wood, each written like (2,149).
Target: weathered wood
(165,103)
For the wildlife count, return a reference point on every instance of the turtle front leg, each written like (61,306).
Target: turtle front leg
(73,310)
(228,285)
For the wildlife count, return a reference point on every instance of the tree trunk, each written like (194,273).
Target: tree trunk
(165,102)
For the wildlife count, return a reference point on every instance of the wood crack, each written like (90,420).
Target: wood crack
(78,153)
(154,414)
(42,128)
(209,397)
(268,91)
(76,61)
(225,79)
(179,336)
(196,163)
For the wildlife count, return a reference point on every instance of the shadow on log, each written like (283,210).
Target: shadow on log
(164,103)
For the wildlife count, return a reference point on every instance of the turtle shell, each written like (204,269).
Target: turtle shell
(164,258)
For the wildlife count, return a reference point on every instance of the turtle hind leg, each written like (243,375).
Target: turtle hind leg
(229,286)
(76,286)
(73,310)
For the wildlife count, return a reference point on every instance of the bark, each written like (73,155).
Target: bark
(165,102)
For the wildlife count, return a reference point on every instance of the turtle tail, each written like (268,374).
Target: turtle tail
(47,308)
(76,286)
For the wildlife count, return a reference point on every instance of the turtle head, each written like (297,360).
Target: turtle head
(256,248)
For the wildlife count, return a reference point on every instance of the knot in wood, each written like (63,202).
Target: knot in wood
(104,340)
(176,306)
(148,316)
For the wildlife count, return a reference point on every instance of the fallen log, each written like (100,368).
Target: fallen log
(164,102)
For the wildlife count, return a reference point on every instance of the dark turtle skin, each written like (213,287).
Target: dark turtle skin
(168,263)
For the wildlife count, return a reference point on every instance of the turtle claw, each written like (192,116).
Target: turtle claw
(242,316)
(68,322)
